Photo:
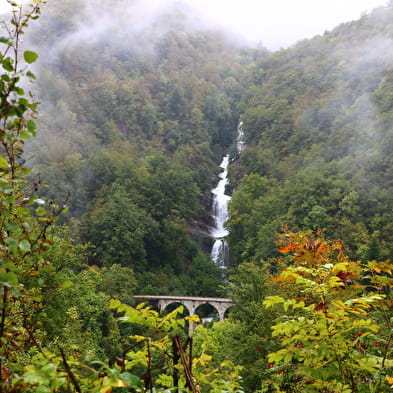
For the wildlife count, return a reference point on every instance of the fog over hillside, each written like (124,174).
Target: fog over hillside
(139,104)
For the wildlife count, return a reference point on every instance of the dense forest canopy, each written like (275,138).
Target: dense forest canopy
(129,91)
(135,115)
(106,194)
(316,117)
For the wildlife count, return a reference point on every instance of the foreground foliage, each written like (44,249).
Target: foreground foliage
(31,270)
(335,321)
(24,219)
(163,355)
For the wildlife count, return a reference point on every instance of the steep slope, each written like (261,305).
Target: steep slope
(317,119)
(137,107)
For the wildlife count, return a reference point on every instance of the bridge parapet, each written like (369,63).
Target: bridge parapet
(191,302)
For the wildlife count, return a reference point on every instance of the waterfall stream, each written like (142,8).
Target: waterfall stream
(240,143)
(219,253)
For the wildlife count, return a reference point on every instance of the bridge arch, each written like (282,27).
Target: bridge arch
(207,312)
(191,303)
(166,308)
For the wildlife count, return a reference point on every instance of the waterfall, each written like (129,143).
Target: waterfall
(240,138)
(219,253)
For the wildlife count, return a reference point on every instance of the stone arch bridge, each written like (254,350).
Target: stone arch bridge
(191,303)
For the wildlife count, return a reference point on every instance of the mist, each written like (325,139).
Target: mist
(273,25)
(279,24)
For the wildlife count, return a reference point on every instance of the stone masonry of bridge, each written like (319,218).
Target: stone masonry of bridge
(190,302)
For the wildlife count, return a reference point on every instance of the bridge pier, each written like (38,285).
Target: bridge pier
(191,304)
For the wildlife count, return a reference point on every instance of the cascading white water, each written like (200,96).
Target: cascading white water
(219,251)
(240,137)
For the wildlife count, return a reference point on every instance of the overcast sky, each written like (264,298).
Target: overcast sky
(280,23)
(275,23)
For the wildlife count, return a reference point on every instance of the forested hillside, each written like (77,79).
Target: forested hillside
(135,117)
(106,193)
(317,118)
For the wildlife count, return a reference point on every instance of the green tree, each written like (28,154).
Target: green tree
(159,354)
(244,337)
(24,218)
(119,230)
(26,365)
(330,326)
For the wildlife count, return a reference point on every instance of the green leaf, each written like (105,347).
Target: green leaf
(4,40)
(23,103)
(113,303)
(32,379)
(368,364)
(23,212)
(272,301)
(3,162)
(9,277)
(12,226)
(30,75)
(24,245)
(40,211)
(193,318)
(67,284)
(12,245)
(30,57)
(19,91)
(25,134)
(31,126)
(43,389)
(131,380)
(7,64)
